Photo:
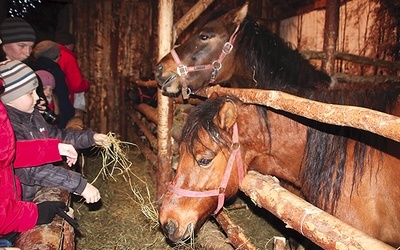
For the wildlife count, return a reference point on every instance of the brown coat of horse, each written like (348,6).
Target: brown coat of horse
(368,202)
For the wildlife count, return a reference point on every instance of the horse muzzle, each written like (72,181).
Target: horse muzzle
(168,82)
(171,230)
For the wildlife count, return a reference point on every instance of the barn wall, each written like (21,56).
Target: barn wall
(114,41)
(364,29)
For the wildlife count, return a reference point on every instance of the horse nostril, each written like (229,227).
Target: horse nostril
(159,69)
(170,229)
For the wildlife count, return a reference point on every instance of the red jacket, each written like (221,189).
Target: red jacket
(73,77)
(17,215)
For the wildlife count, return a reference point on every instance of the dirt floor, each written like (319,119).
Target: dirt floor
(123,219)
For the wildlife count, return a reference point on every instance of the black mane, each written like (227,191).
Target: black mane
(277,66)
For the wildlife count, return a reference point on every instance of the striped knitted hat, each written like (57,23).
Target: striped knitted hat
(18,79)
(16,29)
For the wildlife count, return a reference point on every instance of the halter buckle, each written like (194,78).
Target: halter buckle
(182,70)
(227,48)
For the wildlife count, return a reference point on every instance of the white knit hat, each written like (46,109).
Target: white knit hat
(18,79)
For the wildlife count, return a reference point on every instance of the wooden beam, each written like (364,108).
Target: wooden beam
(369,120)
(320,227)
(190,16)
(235,233)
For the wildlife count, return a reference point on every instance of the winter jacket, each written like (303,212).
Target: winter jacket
(73,77)
(29,126)
(15,215)
(67,110)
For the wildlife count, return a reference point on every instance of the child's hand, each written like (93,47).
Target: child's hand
(69,151)
(101,139)
(41,105)
(91,193)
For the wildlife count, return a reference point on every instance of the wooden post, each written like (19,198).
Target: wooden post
(330,35)
(164,170)
(320,227)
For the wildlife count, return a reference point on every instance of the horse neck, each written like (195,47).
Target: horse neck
(270,63)
(275,149)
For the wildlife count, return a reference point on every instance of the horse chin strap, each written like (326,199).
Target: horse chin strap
(220,191)
(216,65)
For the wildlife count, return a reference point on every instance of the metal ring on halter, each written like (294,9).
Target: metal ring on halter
(182,70)
(235,146)
(216,65)
(227,48)
(188,91)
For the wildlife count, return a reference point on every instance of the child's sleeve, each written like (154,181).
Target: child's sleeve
(31,153)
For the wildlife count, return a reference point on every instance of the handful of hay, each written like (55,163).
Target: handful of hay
(115,160)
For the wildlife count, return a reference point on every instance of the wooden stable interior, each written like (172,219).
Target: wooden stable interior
(119,42)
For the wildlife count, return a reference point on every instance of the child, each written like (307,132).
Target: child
(20,98)
(49,83)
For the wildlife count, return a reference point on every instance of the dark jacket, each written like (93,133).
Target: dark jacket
(28,126)
(67,110)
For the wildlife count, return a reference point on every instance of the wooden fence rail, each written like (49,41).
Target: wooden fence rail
(342,115)
(322,228)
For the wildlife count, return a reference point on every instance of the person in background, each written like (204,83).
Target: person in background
(69,65)
(49,84)
(46,55)
(20,98)
(17,38)
(16,215)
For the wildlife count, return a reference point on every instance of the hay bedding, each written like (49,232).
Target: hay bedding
(118,221)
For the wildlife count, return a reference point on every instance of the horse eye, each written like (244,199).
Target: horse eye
(204,162)
(203,37)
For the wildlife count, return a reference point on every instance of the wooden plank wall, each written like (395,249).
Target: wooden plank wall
(114,39)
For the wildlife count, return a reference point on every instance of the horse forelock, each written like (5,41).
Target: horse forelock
(201,118)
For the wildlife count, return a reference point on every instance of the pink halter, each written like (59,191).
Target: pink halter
(220,191)
(216,65)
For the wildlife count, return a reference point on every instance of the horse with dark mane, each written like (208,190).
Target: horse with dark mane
(234,50)
(347,172)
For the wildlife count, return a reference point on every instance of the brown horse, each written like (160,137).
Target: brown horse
(347,172)
(233,50)
(355,180)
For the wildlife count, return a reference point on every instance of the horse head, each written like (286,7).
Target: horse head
(209,169)
(200,60)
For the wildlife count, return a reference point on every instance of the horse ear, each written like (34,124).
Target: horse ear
(213,95)
(241,14)
(227,115)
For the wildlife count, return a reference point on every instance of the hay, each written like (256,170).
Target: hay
(114,155)
(116,162)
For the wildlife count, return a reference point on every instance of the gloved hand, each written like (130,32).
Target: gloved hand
(48,209)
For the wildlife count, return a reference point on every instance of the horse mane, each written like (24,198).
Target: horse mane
(275,64)
(202,117)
